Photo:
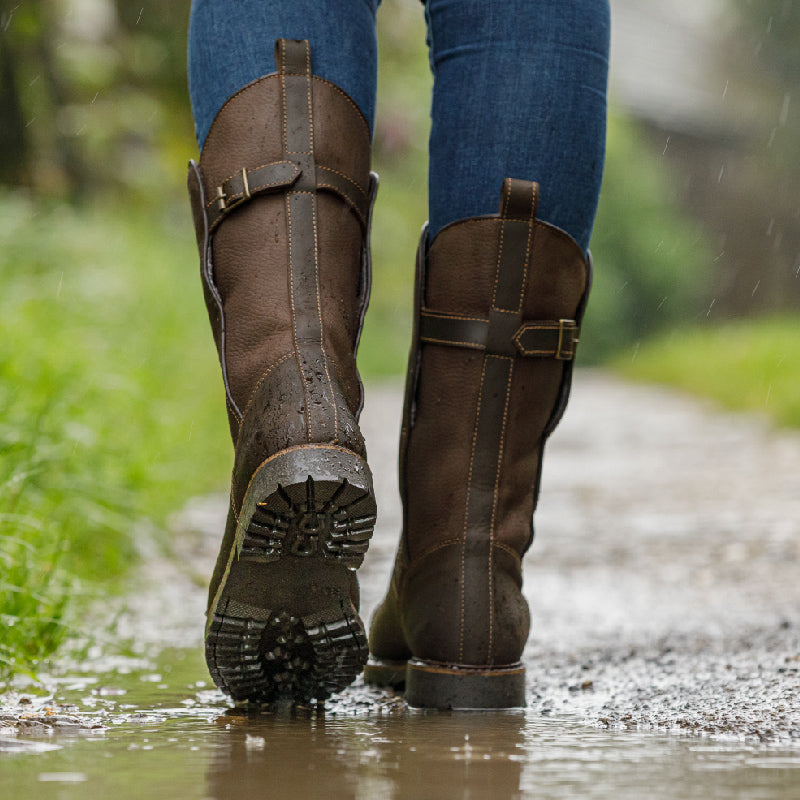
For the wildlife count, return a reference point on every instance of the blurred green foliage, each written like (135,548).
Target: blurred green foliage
(652,263)
(92,95)
(111,413)
(746,365)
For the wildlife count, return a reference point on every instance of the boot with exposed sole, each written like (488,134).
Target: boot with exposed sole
(282,199)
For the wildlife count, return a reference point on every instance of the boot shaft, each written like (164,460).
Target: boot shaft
(282,199)
(500,301)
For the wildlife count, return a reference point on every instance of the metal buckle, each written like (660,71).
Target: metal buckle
(567,353)
(220,198)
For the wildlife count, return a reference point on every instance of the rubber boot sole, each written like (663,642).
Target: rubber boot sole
(429,684)
(284,623)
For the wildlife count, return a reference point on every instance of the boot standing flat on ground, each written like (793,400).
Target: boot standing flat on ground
(499,302)
(282,199)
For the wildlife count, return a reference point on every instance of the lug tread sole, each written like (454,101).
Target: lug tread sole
(307,522)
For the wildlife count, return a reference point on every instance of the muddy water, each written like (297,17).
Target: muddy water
(664,661)
(154,730)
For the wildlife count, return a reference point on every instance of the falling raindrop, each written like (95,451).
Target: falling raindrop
(708,313)
(721,173)
(755,288)
(666,145)
(772,137)
(787,99)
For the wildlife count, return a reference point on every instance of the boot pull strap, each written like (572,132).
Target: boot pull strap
(293,57)
(519,199)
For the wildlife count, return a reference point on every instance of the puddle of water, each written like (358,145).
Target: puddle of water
(162,732)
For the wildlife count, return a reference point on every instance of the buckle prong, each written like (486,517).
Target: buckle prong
(246,184)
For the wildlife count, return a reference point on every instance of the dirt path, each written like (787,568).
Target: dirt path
(664,579)
(665,576)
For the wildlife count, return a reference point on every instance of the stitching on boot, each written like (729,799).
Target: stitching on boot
(346,177)
(275,364)
(316,254)
(466,514)
(429,312)
(275,75)
(470,345)
(528,246)
(497,263)
(294,319)
(495,497)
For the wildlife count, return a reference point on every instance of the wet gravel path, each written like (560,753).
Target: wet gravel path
(664,579)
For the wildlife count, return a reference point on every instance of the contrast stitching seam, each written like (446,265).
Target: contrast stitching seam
(430,551)
(527,254)
(316,253)
(509,551)
(263,377)
(427,312)
(497,265)
(472,345)
(500,450)
(294,318)
(346,177)
(466,513)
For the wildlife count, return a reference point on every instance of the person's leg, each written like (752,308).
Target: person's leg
(231,44)
(282,197)
(519,91)
(519,116)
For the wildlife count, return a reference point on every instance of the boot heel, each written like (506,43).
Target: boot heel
(310,500)
(432,685)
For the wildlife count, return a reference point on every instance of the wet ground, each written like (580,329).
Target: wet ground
(665,657)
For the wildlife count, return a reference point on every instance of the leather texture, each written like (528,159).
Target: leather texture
(499,301)
(282,199)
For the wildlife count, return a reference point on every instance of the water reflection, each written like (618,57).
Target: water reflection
(177,741)
(419,755)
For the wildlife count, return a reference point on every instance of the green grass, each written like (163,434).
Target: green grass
(748,365)
(111,413)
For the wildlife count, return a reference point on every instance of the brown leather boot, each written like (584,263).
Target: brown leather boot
(282,199)
(499,301)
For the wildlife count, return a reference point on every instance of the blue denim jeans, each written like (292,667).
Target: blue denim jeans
(519,89)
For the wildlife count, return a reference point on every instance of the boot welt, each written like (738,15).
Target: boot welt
(284,623)
(442,686)
(383,672)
